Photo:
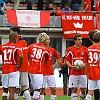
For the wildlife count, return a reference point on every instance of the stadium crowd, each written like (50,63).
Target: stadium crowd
(62,6)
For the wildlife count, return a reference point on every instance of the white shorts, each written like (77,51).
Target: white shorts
(10,80)
(23,79)
(93,84)
(75,80)
(49,81)
(37,80)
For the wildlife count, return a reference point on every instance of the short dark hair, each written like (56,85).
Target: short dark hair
(76,35)
(96,37)
(90,34)
(15,29)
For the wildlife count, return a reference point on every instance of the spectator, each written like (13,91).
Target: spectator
(97,5)
(40,5)
(66,9)
(63,2)
(75,5)
(51,8)
(2,7)
(58,10)
(16,4)
(92,4)
(50,2)
(29,5)
(87,5)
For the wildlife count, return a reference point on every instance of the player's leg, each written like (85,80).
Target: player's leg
(73,84)
(52,84)
(65,83)
(96,94)
(43,88)
(69,89)
(83,86)
(37,82)
(5,86)
(42,94)
(92,84)
(16,93)
(24,83)
(11,92)
(13,83)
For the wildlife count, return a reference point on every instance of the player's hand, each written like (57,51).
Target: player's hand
(53,67)
(17,67)
(73,67)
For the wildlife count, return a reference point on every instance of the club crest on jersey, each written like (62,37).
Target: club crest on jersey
(50,54)
(82,53)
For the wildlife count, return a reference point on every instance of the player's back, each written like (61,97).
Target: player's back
(38,54)
(73,54)
(94,62)
(23,44)
(9,53)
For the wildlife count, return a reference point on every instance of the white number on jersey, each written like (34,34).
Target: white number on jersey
(7,54)
(93,57)
(37,53)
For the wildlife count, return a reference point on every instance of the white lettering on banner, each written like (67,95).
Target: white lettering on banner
(67,17)
(87,17)
(81,32)
(28,24)
(28,18)
(27,12)
(76,17)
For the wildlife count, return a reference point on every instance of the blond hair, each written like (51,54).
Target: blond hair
(42,37)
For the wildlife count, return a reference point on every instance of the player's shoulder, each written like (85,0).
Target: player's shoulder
(70,48)
(22,43)
(84,47)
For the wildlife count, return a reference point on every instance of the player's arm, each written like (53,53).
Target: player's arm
(69,65)
(62,63)
(20,55)
(54,65)
(57,56)
(86,7)
(20,60)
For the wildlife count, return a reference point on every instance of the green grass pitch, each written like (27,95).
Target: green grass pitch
(48,98)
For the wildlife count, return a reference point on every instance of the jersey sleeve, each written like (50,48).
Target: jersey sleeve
(67,55)
(0,49)
(86,56)
(56,54)
(46,55)
(19,50)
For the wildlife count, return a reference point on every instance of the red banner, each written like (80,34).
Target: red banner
(98,21)
(73,23)
(28,18)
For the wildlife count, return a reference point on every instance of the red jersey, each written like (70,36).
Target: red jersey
(87,2)
(94,62)
(38,54)
(73,54)
(47,67)
(10,53)
(97,6)
(23,45)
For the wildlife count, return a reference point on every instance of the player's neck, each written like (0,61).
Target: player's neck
(98,44)
(11,41)
(77,46)
(47,46)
